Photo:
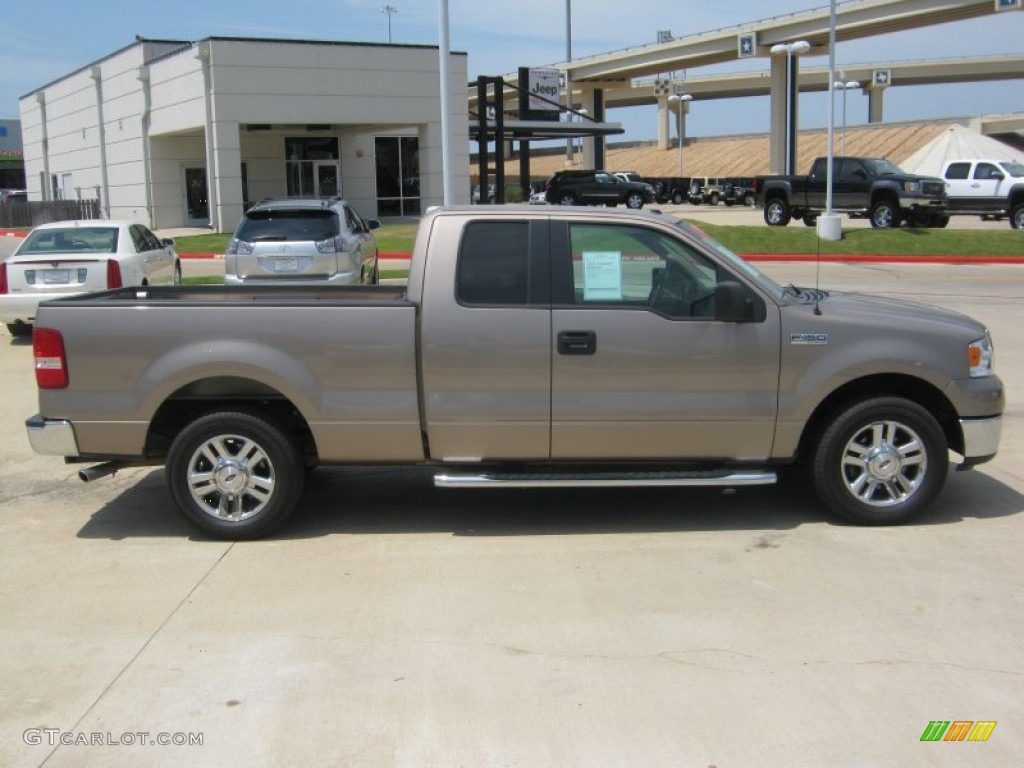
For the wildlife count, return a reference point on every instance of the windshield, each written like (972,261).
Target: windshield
(288,225)
(882,167)
(736,263)
(71,240)
(1014,169)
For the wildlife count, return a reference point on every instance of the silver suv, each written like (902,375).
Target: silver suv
(308,240)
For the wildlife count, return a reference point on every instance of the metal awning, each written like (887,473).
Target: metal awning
(544,129)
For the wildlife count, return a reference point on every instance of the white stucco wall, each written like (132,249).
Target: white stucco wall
(360,90)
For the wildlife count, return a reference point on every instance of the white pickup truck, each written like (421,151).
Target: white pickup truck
(986,188)
(531,348)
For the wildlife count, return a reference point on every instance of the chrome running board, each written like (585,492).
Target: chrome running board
(603,479)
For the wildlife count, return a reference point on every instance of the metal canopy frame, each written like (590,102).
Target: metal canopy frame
(491,125)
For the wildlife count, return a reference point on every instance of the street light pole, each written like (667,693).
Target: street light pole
(682,99)
(568,80)
(790,49)
(390,10)
(845,86)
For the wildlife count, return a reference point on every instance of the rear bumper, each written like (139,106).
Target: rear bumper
(20,307)
(51,437)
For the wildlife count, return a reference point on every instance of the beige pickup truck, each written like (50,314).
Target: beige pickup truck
(531,348)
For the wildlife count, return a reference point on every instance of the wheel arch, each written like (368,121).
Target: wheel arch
(919,391)
(223,393)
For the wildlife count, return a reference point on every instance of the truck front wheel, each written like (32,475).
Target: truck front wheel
(1017,217)
(234,475)
(635,201)
(777,213)
(880,462)
(885,214)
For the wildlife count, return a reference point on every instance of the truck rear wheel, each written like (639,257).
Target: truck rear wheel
(881,461)
(885,214)
(678,198)
(234,475)
(777,213)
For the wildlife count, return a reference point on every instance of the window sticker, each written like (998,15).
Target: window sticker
(602,276)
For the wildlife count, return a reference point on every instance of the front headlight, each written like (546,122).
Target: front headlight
(979,357)
(912,187)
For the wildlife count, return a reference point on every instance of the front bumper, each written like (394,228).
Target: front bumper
(51,437)
(981,440)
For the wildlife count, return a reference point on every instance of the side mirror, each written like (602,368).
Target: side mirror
(996,176)
(373,224)
(167,241)
(730,302)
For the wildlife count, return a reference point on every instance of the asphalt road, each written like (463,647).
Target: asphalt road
(395,624)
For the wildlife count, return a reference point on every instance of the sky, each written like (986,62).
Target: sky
(40,43)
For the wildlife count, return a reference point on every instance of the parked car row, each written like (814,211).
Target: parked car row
(307,241)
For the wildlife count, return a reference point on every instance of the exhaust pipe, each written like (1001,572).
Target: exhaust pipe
(89,474)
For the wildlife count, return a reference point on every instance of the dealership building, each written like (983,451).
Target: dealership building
(177,133)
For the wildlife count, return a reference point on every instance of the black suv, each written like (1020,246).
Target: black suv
(596,188)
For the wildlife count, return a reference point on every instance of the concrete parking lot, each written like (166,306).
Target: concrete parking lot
(394,624)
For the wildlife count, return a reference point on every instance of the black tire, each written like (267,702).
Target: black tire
(634,201)
(748,200)
(714,198)
(1017,217)
(880,462)
(567,198)
(678,198)
(19,330)
(938,220)
(729,203)
(810,219)
(777,212)
(234,475)
(885,214)
(369,278)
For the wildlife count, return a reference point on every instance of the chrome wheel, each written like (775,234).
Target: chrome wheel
(884,463)
(230,477)
(880,461)
(777,213)
(235,474)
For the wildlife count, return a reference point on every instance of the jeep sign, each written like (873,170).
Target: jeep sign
(544,89)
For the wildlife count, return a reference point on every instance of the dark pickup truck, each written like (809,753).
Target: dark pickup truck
(861,186)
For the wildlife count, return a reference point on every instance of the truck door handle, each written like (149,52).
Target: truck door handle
(577,342)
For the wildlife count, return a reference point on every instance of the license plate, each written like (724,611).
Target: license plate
(286,265)
(57,276)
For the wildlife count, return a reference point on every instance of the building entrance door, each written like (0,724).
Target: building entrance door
(197,201)
(327,178)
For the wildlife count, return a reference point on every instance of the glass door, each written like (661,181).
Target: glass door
(327,178)
(197,202)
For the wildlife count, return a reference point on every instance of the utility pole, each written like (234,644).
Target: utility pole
(390,10)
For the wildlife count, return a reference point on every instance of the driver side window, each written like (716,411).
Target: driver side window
(639,268)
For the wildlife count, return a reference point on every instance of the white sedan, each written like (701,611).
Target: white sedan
(69,257)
